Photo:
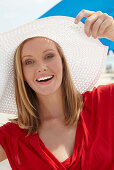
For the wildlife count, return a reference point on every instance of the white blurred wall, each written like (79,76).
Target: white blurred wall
(4,165)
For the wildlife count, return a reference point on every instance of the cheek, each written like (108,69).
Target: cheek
(57,66)
(27,74)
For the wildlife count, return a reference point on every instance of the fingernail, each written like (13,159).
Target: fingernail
(76,21)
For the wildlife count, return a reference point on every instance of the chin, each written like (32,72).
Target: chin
(48,91)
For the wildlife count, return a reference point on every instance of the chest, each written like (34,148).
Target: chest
(59,141)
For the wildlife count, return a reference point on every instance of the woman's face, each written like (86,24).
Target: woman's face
(40,58)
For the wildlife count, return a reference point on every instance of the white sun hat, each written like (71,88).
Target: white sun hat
(85,55)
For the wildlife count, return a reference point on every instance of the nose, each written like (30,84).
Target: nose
(41,67)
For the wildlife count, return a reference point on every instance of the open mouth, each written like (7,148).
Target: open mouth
(46,79)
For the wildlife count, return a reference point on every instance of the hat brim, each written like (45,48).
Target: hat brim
(85,56)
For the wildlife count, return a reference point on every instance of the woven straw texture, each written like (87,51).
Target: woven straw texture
(86,56)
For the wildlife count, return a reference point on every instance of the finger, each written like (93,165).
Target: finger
(96,26)
(104,25)
(89,22)
(83,13)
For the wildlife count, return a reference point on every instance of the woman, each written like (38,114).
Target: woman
(53,108)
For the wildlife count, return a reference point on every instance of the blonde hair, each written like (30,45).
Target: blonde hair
(27,102)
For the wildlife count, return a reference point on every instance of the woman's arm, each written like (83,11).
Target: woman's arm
(2,154)
(97,24)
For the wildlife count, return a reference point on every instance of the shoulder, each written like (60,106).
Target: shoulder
(99,101)
(11,129)
(102,92)
(98,109)
(9,125)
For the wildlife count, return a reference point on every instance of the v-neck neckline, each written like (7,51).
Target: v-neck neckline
(77,150)
(51,154)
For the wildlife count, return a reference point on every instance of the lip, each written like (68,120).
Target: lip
(44,76)
(45,83)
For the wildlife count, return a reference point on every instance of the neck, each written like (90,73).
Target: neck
(52,106)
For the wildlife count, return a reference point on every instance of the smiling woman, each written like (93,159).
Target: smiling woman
(30,96)
(65,122)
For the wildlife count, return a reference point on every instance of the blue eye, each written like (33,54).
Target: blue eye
(28,62)
(49,56)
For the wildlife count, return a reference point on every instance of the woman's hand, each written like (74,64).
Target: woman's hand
(97,24)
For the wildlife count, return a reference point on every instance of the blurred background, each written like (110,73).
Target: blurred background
(14,13)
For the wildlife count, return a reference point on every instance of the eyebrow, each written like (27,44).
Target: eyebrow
(42,52)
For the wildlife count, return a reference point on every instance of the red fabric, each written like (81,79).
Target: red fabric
(94,143)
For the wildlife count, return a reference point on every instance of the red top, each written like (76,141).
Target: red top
(94,143)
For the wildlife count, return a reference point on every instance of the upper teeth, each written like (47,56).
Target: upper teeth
(44,78)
